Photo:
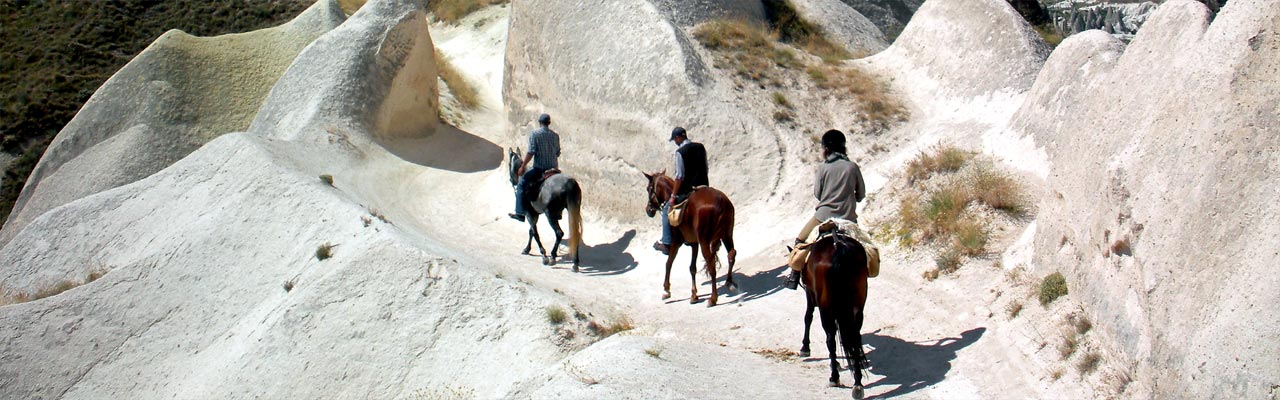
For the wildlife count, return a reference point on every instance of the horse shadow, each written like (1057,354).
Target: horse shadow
(609,258)
(912,366)
(757,285)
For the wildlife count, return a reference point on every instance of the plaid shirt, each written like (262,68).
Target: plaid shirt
(544,145)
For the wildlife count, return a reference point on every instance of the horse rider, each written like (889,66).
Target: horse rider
(690,173)
(838,187)
(544,150)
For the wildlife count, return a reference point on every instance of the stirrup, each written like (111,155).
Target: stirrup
(793,281)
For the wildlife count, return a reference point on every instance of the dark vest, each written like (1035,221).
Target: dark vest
(695,167)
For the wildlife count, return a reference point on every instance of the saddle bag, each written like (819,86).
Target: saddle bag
(800,255)
(676,213)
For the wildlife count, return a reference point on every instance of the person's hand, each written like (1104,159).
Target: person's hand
(671,200)
(520,170)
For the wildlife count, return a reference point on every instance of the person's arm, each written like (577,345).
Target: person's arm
(861,186)
(818,184)
(528,154)
(678,175)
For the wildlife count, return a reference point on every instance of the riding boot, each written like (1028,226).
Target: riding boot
(792,281)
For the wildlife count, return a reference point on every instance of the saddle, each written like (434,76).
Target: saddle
(834,226)
(676,214)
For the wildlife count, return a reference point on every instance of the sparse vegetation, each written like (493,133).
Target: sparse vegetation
(555,315)
(1056,374)
(1052,287)
(462,91)
(748,49)
(378,214)
(58,52)
(1121,247)
(783,116)
(8,296)
(1014,309)
(619,325)
(288,285)
(780,100)
(1069,345)
(654,352)
(1082,325)
(324,252)
(793,29)
(941,159)
(954,181)
(451,11)
(875,104)
(327,179)
(1050,34)
(1088,363)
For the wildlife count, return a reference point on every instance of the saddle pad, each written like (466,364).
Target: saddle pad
(850,229)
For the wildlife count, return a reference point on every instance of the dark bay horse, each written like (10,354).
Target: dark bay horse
(707,222)
(835,281)
(556,193)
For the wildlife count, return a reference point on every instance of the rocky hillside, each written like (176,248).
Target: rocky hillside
(282,212)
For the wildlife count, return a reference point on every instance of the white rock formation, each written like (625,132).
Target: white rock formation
(614,102)
(1164,203)
(178,94)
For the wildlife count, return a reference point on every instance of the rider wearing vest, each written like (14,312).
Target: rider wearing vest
(690,173)
(544,150)
(839,188)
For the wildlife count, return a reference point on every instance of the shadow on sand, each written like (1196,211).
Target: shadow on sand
(449,149)
(912,366)
(609,258)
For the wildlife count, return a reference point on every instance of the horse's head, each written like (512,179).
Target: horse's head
(659,187)
(513,164)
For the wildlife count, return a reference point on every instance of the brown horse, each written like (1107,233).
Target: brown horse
(835,281)
(707,222)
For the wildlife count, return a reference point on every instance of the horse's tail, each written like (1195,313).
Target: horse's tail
(847,268)
(575,219)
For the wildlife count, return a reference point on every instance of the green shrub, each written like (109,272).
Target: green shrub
(324,252)
(1052,287)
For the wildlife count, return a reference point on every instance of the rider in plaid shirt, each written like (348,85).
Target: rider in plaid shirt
(544,150)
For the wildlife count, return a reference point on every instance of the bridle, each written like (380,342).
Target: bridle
(654,201)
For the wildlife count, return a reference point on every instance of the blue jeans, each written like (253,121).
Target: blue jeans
(532,174)
(666,224)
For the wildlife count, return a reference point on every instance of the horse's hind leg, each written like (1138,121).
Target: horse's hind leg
(829,326)
(849,337)
(808,322)
(709,254)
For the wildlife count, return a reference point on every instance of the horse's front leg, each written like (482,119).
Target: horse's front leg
(709,255)
(666,280)
(808,322)
(555,248)
(533,233)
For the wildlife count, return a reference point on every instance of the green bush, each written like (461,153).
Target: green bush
(1052,287)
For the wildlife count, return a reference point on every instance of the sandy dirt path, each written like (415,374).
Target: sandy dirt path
(936,340)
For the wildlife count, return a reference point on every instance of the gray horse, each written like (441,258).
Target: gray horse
(556,193)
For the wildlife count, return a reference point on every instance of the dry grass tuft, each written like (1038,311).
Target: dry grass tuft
(8,296)
(748,49)
(1082,325)
(1088,363)
(791,28)
(556,315)
(1052,287)
(949,261)
(1069,345)
(1050,34)
(654,352)
(941,159)
(463,91)
(327,179)
(450,11)
(325,251)
(619,325)
(1121,247)
(1014,309)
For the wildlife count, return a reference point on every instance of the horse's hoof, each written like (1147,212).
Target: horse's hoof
(833,383)
(546,261)
(575,267)
(804,353)
(666,295)
(711,302)
(858,393)
(524,252)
